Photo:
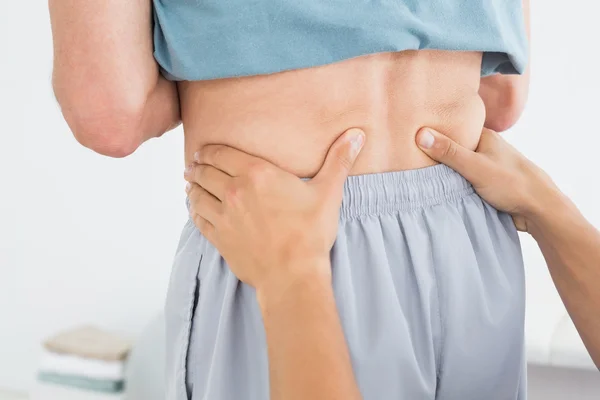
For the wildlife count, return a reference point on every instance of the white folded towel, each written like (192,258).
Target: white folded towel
(64,364)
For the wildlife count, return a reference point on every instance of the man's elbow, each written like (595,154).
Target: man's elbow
(505,106)
(108,122)
(503,120)
(113,137)
(110,128)
(106,142)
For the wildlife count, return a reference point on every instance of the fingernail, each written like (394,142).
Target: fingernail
(197,156)
(426,139)
(187,170)
(357,141)
(188,186)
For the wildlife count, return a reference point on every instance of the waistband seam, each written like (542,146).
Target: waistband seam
(391,207)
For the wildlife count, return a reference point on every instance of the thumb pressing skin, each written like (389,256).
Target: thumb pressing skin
(444,150)
(340,158)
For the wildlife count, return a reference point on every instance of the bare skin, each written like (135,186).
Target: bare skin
(114,98)
(292,118)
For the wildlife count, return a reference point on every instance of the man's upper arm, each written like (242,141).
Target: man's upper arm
(105,76)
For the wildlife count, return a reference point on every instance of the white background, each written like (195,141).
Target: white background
(84,238)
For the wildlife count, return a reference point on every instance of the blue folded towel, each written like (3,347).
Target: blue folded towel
(96,385)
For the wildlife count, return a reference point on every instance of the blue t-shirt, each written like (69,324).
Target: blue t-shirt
(211,39)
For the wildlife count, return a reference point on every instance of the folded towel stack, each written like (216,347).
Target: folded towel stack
(87,359)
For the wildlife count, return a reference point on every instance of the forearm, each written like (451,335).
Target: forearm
(308,355)
(105,76)
(571,247)
(161,111)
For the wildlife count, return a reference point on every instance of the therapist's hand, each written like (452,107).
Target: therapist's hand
(499,173)
(269,225)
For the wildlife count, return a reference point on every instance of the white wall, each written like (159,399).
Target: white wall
(90,239)
(560,132)
(77,243)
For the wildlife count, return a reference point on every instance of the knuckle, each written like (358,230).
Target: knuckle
(343,160)
(449,150)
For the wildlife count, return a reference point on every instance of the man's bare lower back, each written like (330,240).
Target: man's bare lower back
(292,118)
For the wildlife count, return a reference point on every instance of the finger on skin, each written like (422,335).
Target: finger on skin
(340,159)
(227,159)
(443,149)
(210,178)
(203,203)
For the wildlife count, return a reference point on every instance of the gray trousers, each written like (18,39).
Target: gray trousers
(429,285)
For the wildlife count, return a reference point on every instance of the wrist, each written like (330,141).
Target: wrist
(543,197)
(299,277)
(550,207)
